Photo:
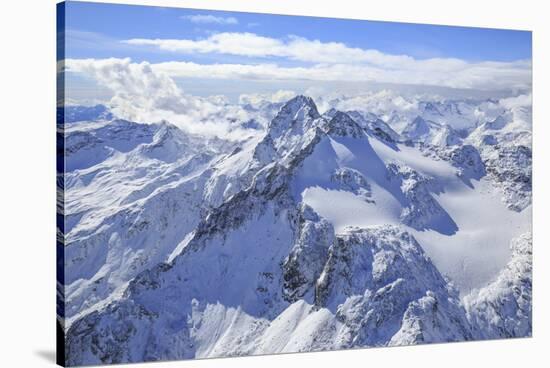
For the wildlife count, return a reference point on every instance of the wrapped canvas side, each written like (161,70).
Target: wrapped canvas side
(60,185)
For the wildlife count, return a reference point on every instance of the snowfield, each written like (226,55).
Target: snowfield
(392,221)
(477,227)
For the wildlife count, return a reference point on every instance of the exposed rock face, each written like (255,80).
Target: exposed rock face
(296,126)
(421,209)
(353,181)
(369,123)
(304,264)
(342,125)
(465,158)
(377,283)
(468,161)
(510,167)
(386,291)
(505,144)
(110,337)
(375,126)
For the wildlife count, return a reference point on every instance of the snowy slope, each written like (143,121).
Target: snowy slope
(442,208)
(133,209)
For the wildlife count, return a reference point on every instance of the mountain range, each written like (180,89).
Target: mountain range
(316,231)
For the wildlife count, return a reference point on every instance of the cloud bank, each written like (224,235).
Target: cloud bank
(143,94)
(147,93)
(332,61)
(483,76)
(255,99)
(525,100)
(293,48)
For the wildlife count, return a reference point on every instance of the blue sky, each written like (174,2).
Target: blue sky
(247,52)
(119,22)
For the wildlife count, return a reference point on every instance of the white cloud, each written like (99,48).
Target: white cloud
(525,100)
(243,44)
(383,102)
(209,19)
(256,98)
(137,89)
(335,61)
(293,48)
(483,76)
(143,94)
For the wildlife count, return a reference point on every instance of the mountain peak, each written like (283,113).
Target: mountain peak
(417,128)
(292,129)
(301,100)
(343,125)
(299,107)
(329,114)
(299,113)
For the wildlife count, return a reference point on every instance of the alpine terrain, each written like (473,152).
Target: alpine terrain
(395,221)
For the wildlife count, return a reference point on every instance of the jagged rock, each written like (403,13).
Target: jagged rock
(296,126)
(421,209)
(341,125)
(510,168)
(468,160)
(504,144)
(352,181)
(118,334)
(168,143)
(384,288)
(306,260)
(465,158)
(503,308)
(371,123)
(433,319)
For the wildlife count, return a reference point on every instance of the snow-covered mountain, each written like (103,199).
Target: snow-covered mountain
(76,113)
(337,230)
